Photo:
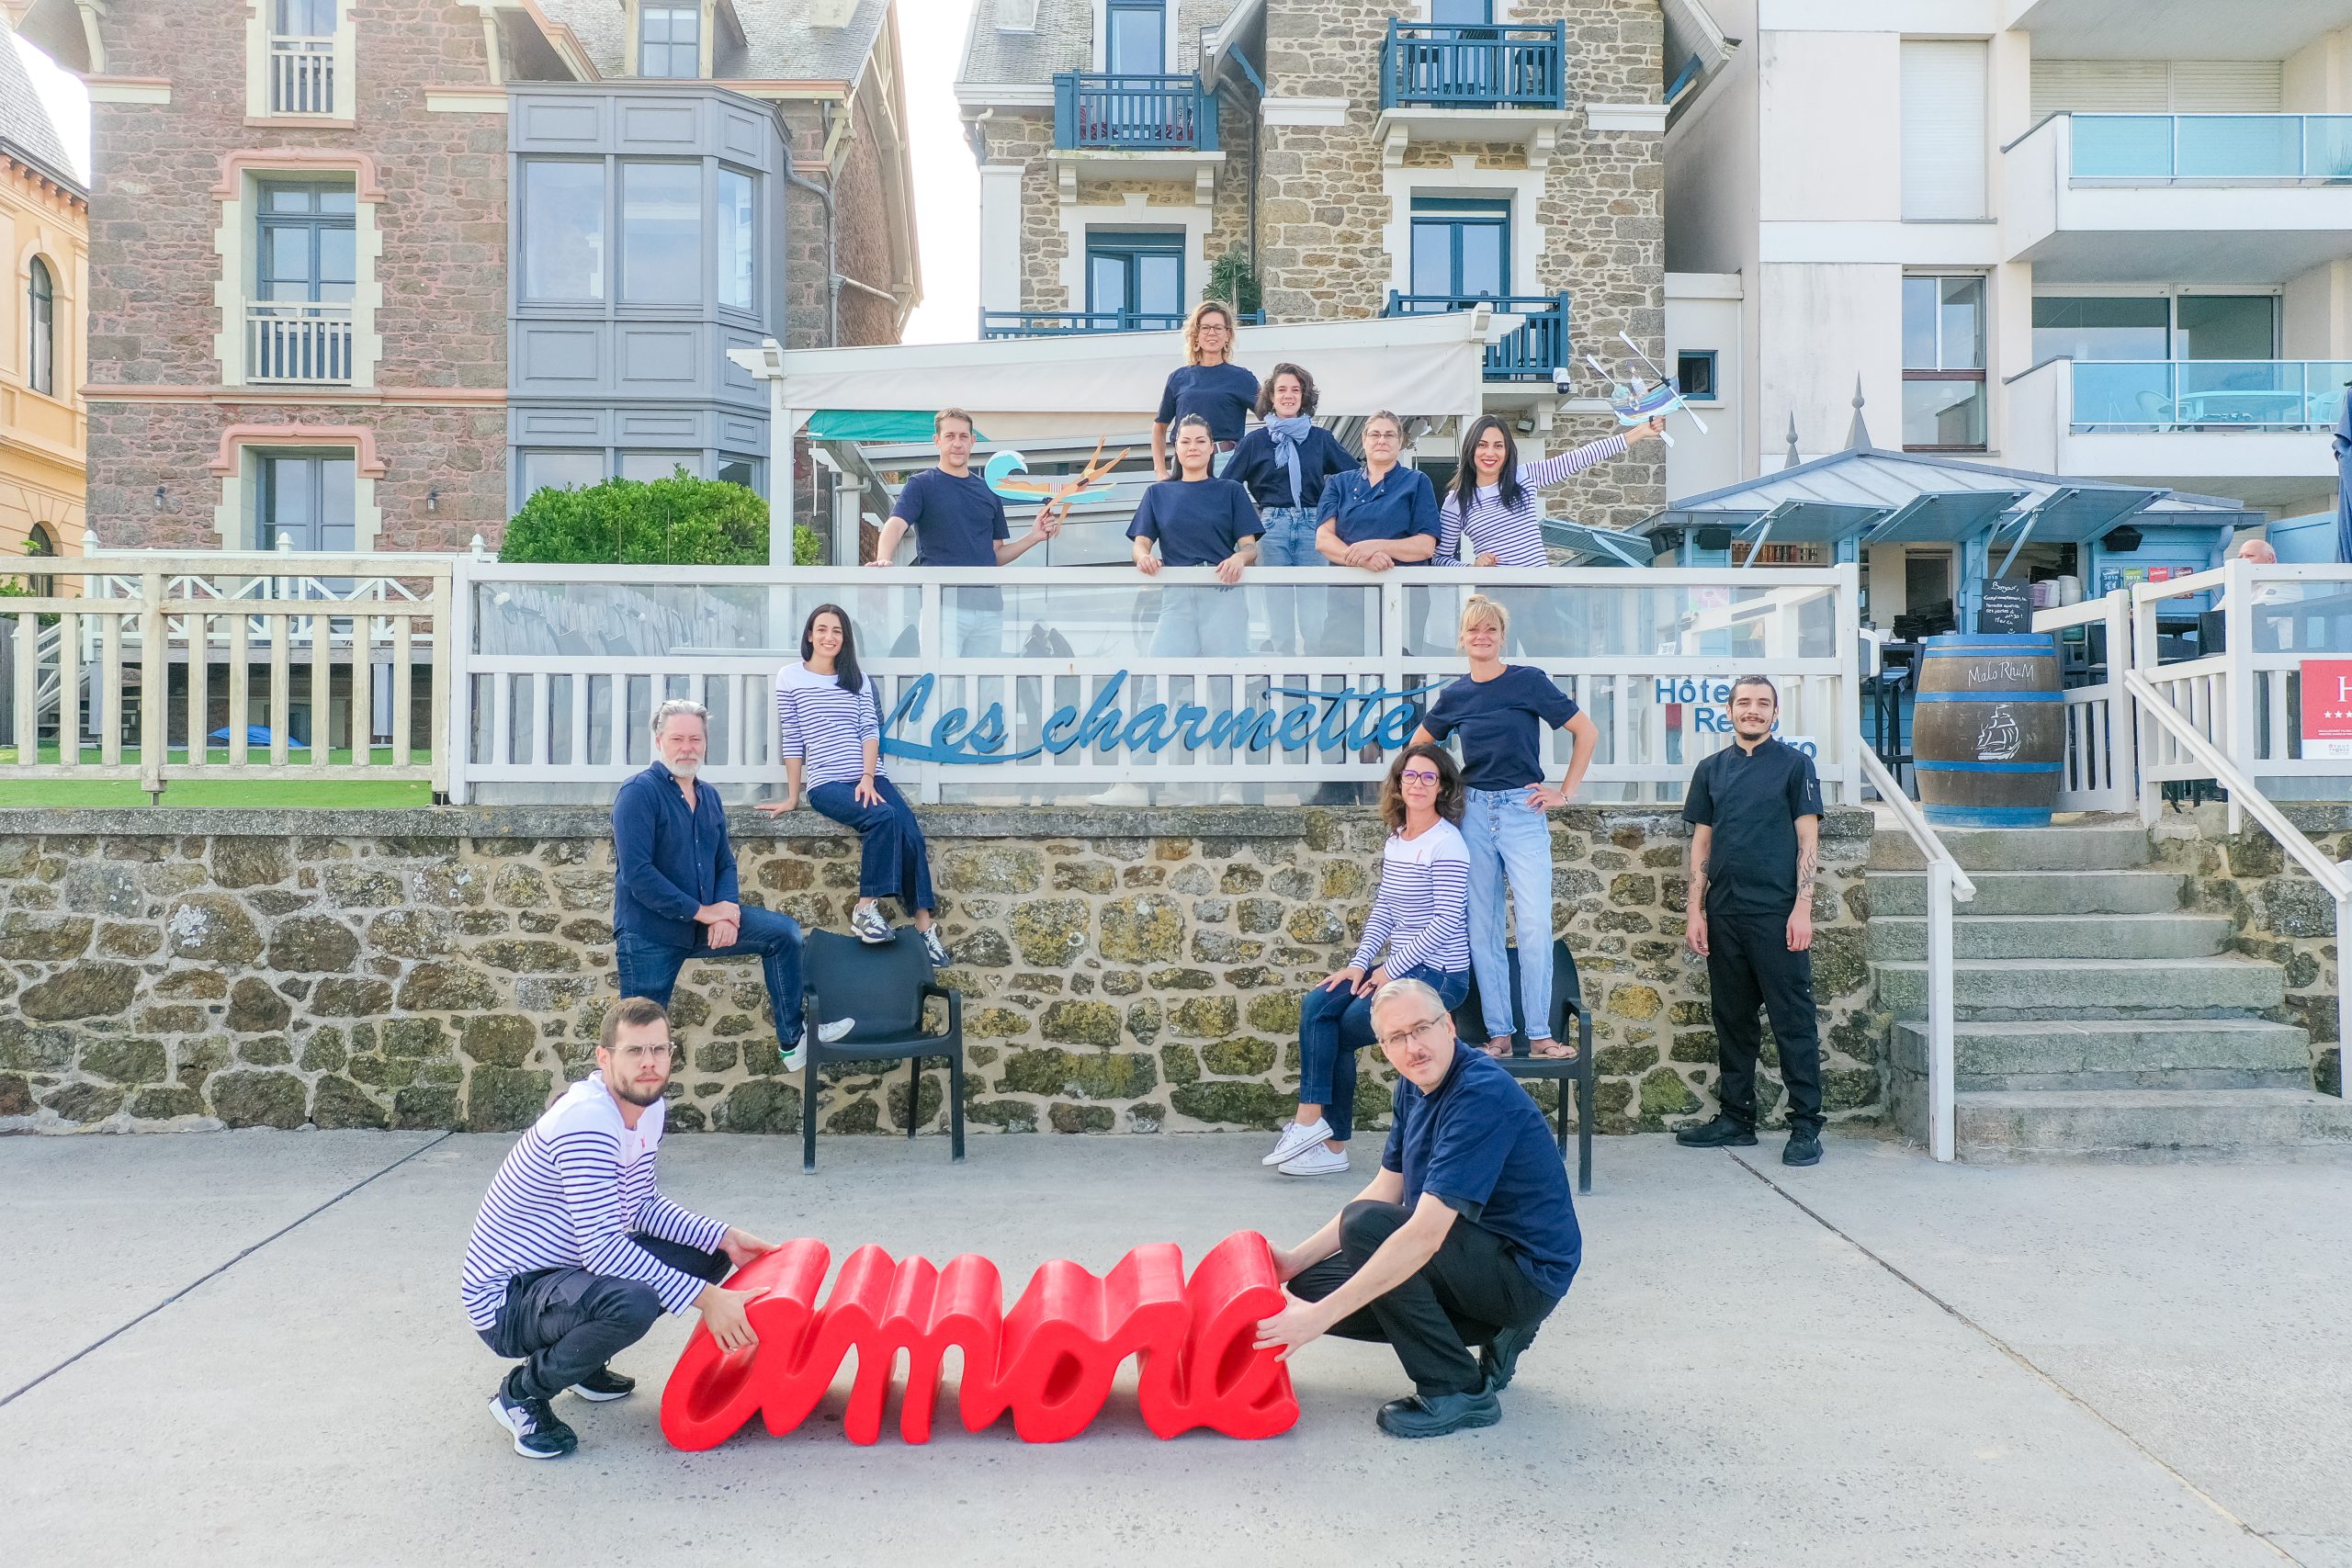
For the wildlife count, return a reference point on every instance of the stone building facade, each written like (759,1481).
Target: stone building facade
(448,968)
(1324,189)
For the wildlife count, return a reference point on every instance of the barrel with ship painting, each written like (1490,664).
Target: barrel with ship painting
(1989,735)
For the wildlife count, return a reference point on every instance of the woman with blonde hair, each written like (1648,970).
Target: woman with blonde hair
(1501,711)
(1208,383)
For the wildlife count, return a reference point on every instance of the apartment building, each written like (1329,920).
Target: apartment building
(2100,240)
(44,226)
(1360,159)
(366,273)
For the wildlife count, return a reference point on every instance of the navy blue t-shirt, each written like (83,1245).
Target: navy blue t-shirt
(1255,465)
(957,518)
(1502,722)
(1197,522)
(1479,1141)
(1222,394)
(1400,505)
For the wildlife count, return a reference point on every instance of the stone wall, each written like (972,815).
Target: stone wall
(1131,972)
(2276,911)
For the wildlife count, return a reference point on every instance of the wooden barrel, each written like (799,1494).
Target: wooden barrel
(1988,734)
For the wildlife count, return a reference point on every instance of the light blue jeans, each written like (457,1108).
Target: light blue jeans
(1511,846)
(979,629)
(1293,615)
(1197,621)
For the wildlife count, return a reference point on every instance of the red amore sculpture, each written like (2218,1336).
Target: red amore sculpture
(1050,1361)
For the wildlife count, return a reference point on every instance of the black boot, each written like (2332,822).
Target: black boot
(1434,1415)
(1723,1132)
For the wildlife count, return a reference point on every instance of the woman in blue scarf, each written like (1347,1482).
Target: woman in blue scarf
(1283,463)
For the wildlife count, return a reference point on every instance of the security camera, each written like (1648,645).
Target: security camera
(1560,379)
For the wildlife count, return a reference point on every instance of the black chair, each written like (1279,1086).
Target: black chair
(883,985)
(1567,1001)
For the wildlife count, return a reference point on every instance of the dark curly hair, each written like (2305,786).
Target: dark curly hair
(1449,785)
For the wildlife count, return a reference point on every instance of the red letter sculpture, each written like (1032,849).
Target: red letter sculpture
(1050,1361)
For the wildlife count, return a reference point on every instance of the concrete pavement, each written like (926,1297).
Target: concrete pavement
(1936,1365)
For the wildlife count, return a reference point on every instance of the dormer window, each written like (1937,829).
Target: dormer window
(669,42)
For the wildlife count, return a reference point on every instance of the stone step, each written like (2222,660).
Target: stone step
(2146,1125)
(2056,936)
(2037,892)
(2117,846)
(2087,987)
(2088,1053)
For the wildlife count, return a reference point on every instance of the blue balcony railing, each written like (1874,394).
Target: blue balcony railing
(1432,66)
(2139,396)
(1056,323)
(1094,112)
(2212,147)
(1526,355)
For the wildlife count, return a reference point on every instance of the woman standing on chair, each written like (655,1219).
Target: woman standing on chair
(1282,463)
(1501,711)
(1208,383)
(829,732)
(1417,916)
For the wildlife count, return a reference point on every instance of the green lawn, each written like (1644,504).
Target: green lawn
(327,791)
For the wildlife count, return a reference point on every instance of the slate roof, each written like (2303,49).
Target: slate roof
(27,133)
(780,43)
(1063,39)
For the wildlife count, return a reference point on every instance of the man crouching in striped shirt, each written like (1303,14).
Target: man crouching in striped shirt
(576,1252)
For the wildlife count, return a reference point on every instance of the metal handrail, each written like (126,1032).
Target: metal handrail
(2242,793)
(1948,885)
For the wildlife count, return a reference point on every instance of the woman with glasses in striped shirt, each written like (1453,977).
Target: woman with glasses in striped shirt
(1419,917)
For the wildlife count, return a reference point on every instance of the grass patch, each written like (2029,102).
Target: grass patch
(325,792)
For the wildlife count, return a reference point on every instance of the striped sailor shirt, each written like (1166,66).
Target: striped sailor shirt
(825,725)
(1512,534)
(567,1196)
(1421,912)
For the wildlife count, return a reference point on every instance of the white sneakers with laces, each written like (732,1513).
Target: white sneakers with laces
(1320,1160)
(1297,1138)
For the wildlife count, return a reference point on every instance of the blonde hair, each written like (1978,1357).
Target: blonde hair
(1376,415)
(1481,611)
(1193,330)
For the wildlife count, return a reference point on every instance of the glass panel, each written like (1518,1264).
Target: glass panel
(305,18)
(1625,622)
(2223,326)
(1943,413)
(735,239)
(2067,327)
(656,465)
(561,470)
(286,509)
(287,199)
(661,233)
(1159,284)
(2327,146)
(1486,274)
(2222,393)
(1963,313)
(742,471)
(1432,258)
(654,617)
(286,262)
(1919,324)
(1695,374)
(563,230)
(338,199)
(2240,146)
(2119,146)
(1106,283)
(337,500)
(1137,37)
(338,263)
(1460,13)
(2129,395)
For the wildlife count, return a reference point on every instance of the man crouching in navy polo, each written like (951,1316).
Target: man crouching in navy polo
(1467,1237)
(575,1251)
(675,887)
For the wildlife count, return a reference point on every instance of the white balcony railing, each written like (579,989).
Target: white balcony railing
(304,341)
(301,74)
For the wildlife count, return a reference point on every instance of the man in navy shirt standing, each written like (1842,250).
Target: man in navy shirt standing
(675,887)
(1467,1237)
(1755,814)
(959,521)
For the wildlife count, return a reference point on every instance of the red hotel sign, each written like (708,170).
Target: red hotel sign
(2327,709)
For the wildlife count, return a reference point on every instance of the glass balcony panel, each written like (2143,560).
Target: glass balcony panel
(2122,146)
(2240,146)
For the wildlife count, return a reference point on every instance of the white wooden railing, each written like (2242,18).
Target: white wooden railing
(1948,887)
(2100,768)
(303,342)
(301,74)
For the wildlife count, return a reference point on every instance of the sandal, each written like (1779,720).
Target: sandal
(1497,1051)
(1555,1051)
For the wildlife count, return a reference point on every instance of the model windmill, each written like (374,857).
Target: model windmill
(1637,400)
(1056,494)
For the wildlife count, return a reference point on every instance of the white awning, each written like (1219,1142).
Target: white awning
(1109,383)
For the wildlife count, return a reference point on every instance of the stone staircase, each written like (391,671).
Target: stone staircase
(2094,1016)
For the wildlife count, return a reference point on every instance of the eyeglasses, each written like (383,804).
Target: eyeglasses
(1418,775)
(1420,1033)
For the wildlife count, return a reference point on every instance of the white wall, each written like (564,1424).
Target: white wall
(1830,143)
(2317,78)
(2315,314)
(1818,326)
(1702,312)
(1711,190)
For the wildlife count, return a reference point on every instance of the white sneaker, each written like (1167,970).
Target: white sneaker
(1297,1135)
(868,926)
(796,1056)
(837,1030)
(1320,1160)
(1121,794)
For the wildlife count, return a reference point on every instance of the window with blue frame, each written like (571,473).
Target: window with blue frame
(1461,249)
(1135,39)
(1462,13)
(1135,281)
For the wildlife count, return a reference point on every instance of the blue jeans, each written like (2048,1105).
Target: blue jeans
(1293,615)
(894,861)
(1510,842)
(978,630)
(1195,621)
(1333,1026)
(650,968)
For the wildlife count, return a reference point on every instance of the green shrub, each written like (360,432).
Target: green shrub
(1232,280)
(680,521)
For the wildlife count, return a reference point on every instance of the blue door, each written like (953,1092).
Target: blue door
(1460,251)
(1135,282)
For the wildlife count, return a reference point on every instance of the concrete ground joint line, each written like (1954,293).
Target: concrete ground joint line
(213,1274)
(2022,1359)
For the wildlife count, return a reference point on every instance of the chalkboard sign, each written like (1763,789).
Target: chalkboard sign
(2007,607)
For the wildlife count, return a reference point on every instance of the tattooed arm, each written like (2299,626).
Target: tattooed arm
(1694,924)
(1808,865)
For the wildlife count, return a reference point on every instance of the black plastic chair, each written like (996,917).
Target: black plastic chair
(1567,1001)
(883,985)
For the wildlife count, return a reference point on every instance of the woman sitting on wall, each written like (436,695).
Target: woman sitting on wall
(1208,383)
(1418,916)
(829,732)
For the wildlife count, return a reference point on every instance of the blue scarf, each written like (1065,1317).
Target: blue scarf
(1287,435)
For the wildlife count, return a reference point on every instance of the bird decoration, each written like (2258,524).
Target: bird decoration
(1636,400)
